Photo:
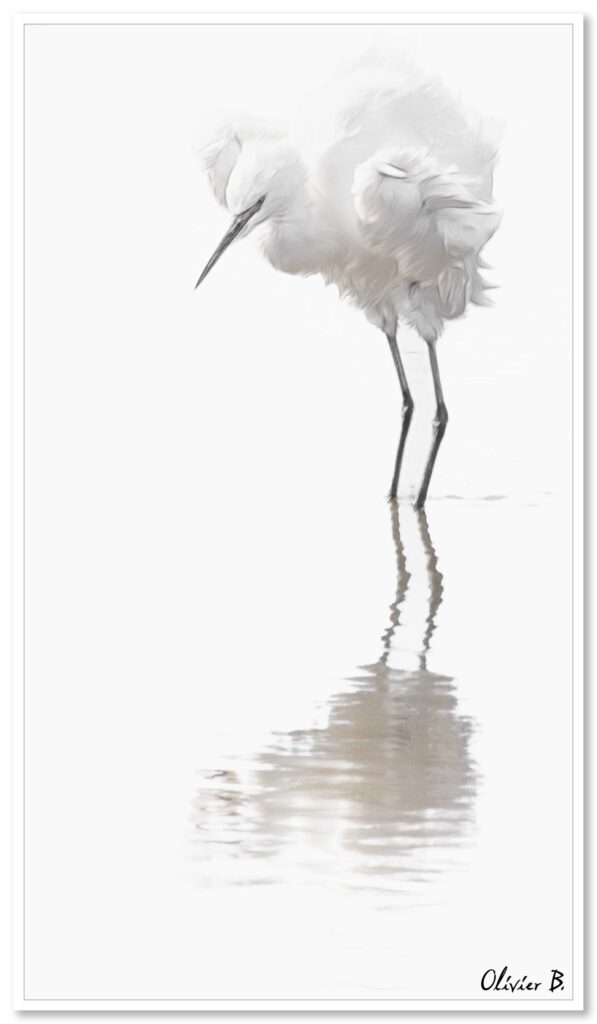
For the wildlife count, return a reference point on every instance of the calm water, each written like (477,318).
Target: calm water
(379,798)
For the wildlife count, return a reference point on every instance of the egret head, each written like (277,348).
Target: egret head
(255,174)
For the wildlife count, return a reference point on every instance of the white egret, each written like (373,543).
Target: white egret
(383,187)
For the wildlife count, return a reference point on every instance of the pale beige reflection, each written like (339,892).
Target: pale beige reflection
(381,797)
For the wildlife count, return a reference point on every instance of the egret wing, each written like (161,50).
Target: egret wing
(380,103)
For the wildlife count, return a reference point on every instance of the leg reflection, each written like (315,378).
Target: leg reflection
(384,792)
(436,586)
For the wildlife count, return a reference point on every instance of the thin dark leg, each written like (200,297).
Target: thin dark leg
(439,425)
(407,412)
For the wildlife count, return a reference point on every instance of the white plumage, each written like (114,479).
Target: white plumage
(383,186)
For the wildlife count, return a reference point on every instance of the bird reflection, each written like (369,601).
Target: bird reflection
(381,796)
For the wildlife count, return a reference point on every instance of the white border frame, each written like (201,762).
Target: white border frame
(20,22)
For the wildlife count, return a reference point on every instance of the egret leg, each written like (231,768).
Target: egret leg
(440,423)
(407,412)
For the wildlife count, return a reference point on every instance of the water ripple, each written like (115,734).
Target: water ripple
(381,798)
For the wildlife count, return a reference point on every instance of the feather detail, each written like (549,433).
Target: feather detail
(384,187)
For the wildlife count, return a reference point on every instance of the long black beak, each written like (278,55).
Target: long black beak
(235,229)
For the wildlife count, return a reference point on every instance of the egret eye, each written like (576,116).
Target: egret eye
(390,171)
(410,252)
(254,206)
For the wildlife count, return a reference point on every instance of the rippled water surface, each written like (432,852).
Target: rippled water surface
(381,796)
(377,753)
(337,768)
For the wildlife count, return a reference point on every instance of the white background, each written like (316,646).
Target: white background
(159,428)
